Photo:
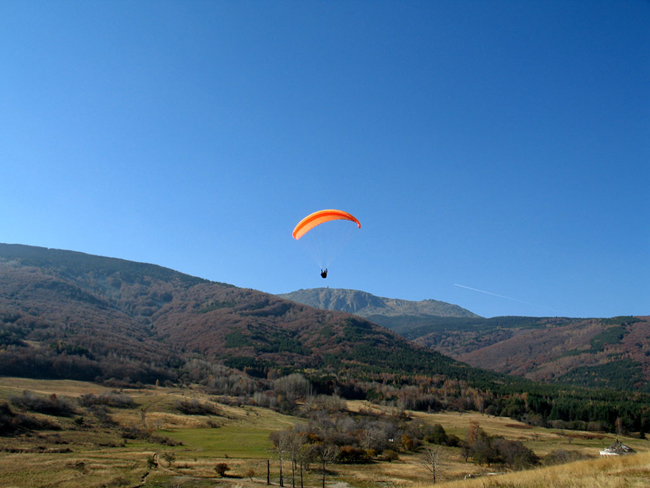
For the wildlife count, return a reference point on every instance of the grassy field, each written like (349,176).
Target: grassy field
(619,472)
(80,455)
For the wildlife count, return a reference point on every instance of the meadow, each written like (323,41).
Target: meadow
(183,449)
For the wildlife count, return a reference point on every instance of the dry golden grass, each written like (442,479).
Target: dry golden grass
(69,470)
(539,439)
(613,472)
(239,436)
(15,386)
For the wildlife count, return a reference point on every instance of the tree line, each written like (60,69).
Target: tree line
(566,407)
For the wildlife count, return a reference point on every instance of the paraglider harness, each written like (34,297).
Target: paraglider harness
(323,274)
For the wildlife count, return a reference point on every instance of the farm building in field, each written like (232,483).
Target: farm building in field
(617,449)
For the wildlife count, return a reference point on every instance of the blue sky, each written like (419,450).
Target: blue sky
(499,145)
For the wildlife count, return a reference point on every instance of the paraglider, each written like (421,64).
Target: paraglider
(320,217)
(314,220)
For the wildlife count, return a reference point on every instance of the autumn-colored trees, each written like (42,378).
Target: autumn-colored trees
(487,449)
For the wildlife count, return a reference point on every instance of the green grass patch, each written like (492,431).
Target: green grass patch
(236,441)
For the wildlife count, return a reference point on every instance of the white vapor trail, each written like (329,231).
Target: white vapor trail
(507,298)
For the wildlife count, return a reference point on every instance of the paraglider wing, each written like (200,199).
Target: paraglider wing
(320,217)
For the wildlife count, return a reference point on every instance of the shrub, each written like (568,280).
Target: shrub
(100,412)
(169,457)
(221,469)
(194,407)
(560,456)
(135,433)
(515,454)
(112,399)
(52,405)
(352,455)
(12,422)
(390,455)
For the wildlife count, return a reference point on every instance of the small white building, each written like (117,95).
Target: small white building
(617,449)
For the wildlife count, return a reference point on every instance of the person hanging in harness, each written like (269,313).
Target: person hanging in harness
(323,273)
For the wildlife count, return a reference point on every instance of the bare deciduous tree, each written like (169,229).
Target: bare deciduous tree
(295,449)
(282,440)
(324,454)
(432,461)
(295,385)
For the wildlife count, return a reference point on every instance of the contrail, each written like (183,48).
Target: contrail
(507,298)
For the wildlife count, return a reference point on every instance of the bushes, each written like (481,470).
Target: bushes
(390,455)
(514,454)
(352,455)
(194,407)
(111,399)
(12,422)
(136,433)
(52,405)
(560,456)
(294,385)
(487,449)
(221,469)
(440,437)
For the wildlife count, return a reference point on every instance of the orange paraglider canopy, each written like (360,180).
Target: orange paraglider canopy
(317,218)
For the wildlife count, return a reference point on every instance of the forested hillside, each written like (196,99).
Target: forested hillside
(613,353)
(75,316)
(65,313)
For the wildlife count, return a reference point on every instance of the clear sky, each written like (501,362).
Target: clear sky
(499,145)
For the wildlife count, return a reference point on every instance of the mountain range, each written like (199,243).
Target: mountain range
(613,352)
(70,315)
(67,314)
(73,315)
(367,305)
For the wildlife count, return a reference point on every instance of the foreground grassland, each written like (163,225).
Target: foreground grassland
(619,472)
(89,454)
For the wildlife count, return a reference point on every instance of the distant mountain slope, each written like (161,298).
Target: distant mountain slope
(67,314)
(612,353)
(72,315)
(365,304)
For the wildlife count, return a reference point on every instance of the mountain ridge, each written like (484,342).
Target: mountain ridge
(613,353)
(365,304)
(73,315)
(66,315)
(76,314)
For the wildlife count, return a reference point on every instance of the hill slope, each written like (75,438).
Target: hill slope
(66,315)
(613,353)
(364,304)
(71,315)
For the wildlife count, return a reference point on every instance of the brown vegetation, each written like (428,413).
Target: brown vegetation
(74,316)
(358,443)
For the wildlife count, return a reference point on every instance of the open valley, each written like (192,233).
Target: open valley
(150,442)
